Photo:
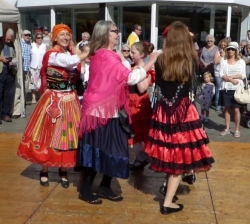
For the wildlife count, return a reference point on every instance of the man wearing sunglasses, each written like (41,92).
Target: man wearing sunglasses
(134,36)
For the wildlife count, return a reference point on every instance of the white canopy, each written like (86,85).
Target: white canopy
(9,13)
(10,18)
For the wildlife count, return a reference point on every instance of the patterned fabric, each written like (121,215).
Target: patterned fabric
(206,95)
(51,136)
(26,54)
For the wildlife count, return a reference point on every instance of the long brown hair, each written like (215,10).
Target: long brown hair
(179,57)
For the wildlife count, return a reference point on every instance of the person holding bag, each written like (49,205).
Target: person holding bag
(232,72)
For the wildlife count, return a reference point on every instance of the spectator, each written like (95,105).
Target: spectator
(218,58)
(126,53)
(232,71)
(134,36)
(85,39)
(38,49)
(246,58)
(46,37)
(7,74)
(207,55)
(243,51)
(248,35)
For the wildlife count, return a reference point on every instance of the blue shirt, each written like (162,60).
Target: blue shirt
(26,53)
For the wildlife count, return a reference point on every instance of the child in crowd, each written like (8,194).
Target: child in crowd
(140,106)
(206,95)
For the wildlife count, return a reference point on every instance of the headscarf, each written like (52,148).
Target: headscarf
(57,29)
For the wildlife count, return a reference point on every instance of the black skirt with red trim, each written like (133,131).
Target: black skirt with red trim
(177,142)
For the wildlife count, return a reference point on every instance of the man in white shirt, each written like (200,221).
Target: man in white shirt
(134,36)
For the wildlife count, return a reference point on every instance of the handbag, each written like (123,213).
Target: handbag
(124,121)
(242,94)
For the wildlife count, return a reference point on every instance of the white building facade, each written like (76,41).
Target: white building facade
(221,19)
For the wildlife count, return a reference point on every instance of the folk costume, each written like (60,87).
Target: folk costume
(176,141)
(141,112)
(103,146)
(51,135)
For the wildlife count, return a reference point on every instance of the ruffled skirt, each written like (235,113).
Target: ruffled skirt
(141,114)
(105,149)
(178,145)
(51,135)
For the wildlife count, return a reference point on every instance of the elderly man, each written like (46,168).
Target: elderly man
(26,55)
(7,75)
(85,39)
(134,36)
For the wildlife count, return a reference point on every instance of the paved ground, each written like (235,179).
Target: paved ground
(213,128)
(220,196)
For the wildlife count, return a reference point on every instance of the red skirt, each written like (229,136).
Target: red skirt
(51,135)
(141,113)
(177,144)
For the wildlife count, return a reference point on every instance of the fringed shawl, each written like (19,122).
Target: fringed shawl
(107,90)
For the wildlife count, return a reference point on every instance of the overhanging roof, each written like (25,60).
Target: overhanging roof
(28,3)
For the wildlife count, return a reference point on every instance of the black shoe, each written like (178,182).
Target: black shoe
(95,201)
(138,167)
(15,116)
(44,183)
(107,193)
(0,121)
(163,191)
(168,210)
(63,175)
(78,169)
(190,179)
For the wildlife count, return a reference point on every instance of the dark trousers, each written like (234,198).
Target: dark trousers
(7,91)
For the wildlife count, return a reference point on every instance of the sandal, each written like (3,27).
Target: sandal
(237,134)
(225,132)
(6,119)
(96,201)
(64,178)
(107,193)
(44,183)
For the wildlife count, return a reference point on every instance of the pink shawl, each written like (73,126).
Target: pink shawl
(107,90)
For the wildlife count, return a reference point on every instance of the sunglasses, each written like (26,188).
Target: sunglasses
(139,29)
(209,41)
(27,35)
(39,38)
(126,50)
(114,31)
(230,49)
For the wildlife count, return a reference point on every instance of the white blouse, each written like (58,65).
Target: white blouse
(239,68)
(37,54)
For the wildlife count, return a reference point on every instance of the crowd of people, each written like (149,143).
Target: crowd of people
(94,105)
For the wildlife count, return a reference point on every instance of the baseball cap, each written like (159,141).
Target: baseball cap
(45,28)
(26,32)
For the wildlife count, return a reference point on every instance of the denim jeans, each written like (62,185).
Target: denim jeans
(217,81)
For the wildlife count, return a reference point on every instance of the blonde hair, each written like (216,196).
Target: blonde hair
(209,75)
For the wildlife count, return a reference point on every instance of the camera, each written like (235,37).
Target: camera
(9,59)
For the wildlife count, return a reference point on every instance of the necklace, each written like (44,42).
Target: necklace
(173,99)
